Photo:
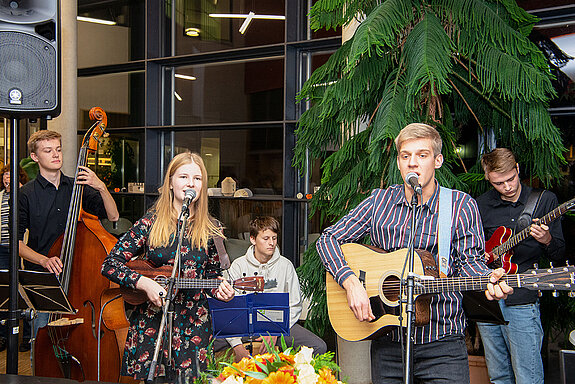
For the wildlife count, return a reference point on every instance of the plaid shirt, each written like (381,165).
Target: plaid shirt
(386,216)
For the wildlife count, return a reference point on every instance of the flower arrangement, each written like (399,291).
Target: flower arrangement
(288,367)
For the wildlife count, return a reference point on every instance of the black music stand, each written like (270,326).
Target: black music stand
(264,314)
(40,291)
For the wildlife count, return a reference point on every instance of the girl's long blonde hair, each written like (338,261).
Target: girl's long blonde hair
(200,225)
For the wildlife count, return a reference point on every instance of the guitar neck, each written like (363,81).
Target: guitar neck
(191,283)
(519,237)
(456,284)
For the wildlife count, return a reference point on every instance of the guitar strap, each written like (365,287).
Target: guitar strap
(526,217)
(222,253)
(221,249)
(444,230)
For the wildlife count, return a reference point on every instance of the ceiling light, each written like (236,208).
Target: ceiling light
(246,22)
(96,21)
(177,96)
(185,77)
(248,18)
(244,16)
(192,31)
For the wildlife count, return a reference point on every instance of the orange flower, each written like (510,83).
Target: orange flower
(279,377)
(326,377)
(264,359)
(266,356)
(252,380)
(287,358)
(227,372)
(288,369)
(245,364)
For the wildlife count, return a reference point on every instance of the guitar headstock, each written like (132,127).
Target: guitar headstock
(558,279)
(250,283)
(569,204)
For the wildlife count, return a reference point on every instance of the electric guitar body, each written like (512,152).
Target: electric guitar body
(499,247)
(500,237)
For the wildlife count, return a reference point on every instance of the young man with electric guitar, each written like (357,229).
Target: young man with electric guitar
(439,352)
(513,351)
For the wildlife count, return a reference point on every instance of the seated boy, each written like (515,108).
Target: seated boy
(263,259)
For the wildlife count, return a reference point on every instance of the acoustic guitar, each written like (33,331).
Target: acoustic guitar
(498,247)
(162,274)
(382,276)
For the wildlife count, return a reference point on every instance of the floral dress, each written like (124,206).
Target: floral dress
(191,330)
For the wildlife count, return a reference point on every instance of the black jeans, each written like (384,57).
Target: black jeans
(440,362)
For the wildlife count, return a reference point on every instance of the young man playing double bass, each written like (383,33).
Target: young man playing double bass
(44,202)
(513,351)
(439,352)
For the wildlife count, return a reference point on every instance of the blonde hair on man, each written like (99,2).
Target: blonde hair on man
(499,160)
(200,224)
(419,131)
(42,135)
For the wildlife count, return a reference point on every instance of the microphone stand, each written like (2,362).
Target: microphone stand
(171,293)
(410,305)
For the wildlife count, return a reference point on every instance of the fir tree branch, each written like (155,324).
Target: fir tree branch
(478,93)
(467,105)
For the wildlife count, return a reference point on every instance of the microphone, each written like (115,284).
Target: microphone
(189,195)
(413,180)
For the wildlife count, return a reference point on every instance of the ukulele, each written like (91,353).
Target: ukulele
(162,275)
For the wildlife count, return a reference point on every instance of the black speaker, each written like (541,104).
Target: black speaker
(30,58)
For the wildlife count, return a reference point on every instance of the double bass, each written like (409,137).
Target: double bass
(68,346)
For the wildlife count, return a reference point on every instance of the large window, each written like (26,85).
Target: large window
(208,25)
(121,95)
(228,92)
(118,161)
(219,78)
(252,157)
(110,32)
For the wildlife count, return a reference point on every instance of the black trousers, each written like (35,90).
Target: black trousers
(440,362)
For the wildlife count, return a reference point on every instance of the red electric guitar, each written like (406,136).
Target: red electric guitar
(498,247)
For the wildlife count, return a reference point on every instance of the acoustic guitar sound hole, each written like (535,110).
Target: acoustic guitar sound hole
(390,288)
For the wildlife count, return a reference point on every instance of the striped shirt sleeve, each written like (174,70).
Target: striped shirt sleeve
(353,226)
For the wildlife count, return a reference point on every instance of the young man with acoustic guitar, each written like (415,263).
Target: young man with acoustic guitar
(513,351)
(44,202)
(439,350)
